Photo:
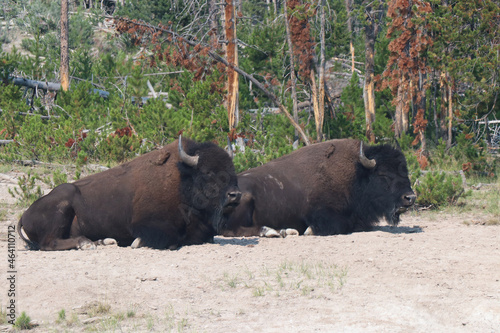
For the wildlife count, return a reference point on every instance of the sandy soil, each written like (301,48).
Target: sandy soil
(434,273)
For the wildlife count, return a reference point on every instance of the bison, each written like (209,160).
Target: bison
(166,198)
(334,187)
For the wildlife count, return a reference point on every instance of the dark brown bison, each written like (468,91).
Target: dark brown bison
(163,199)
(334,187)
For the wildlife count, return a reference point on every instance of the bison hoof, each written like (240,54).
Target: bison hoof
(136,243)
(309,232)
(288,232)
(86,245)
(107,241)
(269,232)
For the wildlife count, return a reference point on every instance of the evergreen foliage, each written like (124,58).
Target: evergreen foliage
(129,122)
(28,191)
(438,188)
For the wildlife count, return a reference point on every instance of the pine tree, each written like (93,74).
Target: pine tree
(407,69)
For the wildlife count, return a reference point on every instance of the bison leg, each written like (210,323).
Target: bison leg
(324,222)
(269,232)
(106,242)
(156,235)
(309,232)
(81,242)
(48,221)
(289,232)
(136,243)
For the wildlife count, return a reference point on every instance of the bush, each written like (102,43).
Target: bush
(438,189)
(272,138)
(28,191)
(23,322)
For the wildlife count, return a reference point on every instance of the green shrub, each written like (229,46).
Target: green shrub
(58,178)
(28,191)
(438,189)
(272,138)
(23,322)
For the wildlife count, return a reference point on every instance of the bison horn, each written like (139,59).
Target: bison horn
(365,161)
(229,148)
(192,161)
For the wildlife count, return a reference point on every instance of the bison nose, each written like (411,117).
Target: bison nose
(233,197)
(409,199)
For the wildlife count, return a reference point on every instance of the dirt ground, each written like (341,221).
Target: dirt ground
(436,272)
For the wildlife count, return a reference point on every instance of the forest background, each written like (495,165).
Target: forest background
(271,75)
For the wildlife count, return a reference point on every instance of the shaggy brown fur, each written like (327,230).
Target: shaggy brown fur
(325,187)
(155,197)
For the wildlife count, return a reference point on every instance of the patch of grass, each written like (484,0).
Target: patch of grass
(300,278)
(3,317)
(3,214)
(150,323)
(483,204)
(130,313)
(258,291)
(74,320)
(97,309)
(493,221)
(61,316)
(103,308)
(249,273)
(119,316)
(23,322)
(182,324)
(232,281)
(306,290)
(109,324)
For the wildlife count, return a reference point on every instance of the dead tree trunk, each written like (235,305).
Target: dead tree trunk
(450,113)
(64,46)
(321,97)
(232,58)
(292,66)
(214,24)
(348,4)
(369,88)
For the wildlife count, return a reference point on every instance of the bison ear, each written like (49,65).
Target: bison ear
(330,150)
(162,158)
(192,161)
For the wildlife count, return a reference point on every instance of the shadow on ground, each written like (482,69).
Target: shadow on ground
(399,230)
(236,241)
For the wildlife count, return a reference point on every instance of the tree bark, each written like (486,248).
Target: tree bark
(450,113)
(398,121)
(214,24)
(369,89)
(292,67)
(64,70)
(443,126)
(420,103)
(315,102)
(232,58)
(348,5)
(50,86)
(321,97)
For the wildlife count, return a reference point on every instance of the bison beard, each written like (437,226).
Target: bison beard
(167,198)
(334,187)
